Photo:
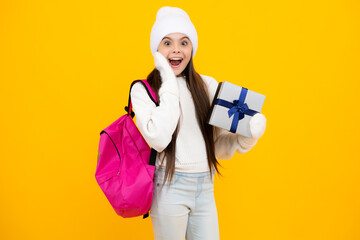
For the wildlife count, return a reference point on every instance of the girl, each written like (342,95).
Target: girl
(183,202)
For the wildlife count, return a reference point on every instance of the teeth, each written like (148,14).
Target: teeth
(175,58)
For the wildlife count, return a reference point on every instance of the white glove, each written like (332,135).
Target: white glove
(257,125)
(162,64)
(257,128)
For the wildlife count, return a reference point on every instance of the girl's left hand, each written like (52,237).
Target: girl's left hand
(257,125)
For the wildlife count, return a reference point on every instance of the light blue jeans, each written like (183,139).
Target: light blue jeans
(185,207)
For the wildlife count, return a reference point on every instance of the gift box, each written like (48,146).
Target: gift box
(233,106)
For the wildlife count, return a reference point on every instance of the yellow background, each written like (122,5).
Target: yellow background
(65,70)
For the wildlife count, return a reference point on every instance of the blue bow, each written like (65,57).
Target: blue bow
(238,108)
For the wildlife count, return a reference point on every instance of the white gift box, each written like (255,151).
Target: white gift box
(233,106)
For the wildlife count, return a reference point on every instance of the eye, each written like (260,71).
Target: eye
(167,43)
(184,43)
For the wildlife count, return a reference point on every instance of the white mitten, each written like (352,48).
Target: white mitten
(162,64)
(257,125)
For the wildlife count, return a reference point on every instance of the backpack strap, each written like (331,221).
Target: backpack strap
(153,94)
(128,109)
(150,92)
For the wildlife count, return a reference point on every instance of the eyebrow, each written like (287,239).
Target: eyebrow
(180,38)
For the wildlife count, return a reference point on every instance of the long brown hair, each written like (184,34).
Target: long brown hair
(201,101)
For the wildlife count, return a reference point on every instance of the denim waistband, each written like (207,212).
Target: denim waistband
(187,174)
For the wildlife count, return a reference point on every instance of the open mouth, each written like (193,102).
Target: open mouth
(175,62)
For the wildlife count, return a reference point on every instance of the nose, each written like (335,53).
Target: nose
(176,49)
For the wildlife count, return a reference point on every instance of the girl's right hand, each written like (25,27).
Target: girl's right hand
(162,64)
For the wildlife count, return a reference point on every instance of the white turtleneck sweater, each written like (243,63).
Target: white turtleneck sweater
(157,125)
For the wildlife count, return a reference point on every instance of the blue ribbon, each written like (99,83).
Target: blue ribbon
(238,108)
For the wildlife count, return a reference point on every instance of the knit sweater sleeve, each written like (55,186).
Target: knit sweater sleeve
(227,143)
(156,123)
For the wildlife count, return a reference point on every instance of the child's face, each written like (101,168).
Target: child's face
(177,49)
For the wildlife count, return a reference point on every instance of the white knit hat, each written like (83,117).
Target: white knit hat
(172,20)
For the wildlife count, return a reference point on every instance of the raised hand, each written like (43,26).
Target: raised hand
(257,125)
(162,64)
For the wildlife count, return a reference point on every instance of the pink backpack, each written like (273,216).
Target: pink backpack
(126,164)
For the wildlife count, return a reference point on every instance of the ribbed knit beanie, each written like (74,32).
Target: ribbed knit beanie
(172,20)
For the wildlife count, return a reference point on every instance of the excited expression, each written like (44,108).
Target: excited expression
(177,49)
